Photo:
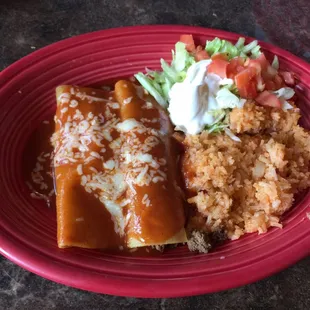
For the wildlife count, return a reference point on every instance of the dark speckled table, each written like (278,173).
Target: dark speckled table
(26,25)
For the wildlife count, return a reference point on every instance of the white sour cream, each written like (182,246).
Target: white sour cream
(192,100)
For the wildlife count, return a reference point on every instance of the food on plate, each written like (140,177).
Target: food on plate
(244,153)
(155,206)
(114,170)
(244,187)
(207,149)
(85,123)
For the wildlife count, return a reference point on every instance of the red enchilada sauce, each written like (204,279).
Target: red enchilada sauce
(37,163)
(83,219)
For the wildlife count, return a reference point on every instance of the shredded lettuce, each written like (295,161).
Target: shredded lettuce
(240,43)
(218,115)
(216,128)
(166,86)
(152,88)
(181,59)
(255,52)
(226,99)
(220,121)
(230,85)
(232,88)
(275,62)
(239,49)
(286,106)
(221,46)
(231,135)
(284,94)
(159,83)
(170,72)
(222,126)
(249,47)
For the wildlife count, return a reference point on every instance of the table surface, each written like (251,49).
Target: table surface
(32,24)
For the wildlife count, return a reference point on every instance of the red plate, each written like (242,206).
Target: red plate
(28,228)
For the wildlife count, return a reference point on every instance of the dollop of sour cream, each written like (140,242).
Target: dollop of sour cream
(193,100)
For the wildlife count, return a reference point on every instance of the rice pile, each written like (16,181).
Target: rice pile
(244,187)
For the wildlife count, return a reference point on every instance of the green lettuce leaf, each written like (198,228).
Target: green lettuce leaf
(275,62)
(152,87)
(159,83)
(227,100)
(221,46)
(216,128)
(239,49)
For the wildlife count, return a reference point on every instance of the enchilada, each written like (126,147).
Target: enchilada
(114,170)
(155,212)
(84,147)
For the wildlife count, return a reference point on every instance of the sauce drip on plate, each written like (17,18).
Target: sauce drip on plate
(37,165)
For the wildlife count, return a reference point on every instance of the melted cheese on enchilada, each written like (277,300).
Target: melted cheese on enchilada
(89,183)
(114,170)
(155,213)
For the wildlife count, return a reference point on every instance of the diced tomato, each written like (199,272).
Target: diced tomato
(222,56)
(250,91)
(246,83)
(261,59)
(262,67)
(270,85)
(188,40)
(268,99)
(218,67)
(230,73)
(288,77)
(269,73)
(279,83)
(235,66)
(272,82)
(238,61)
(254,63)
(200,53)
